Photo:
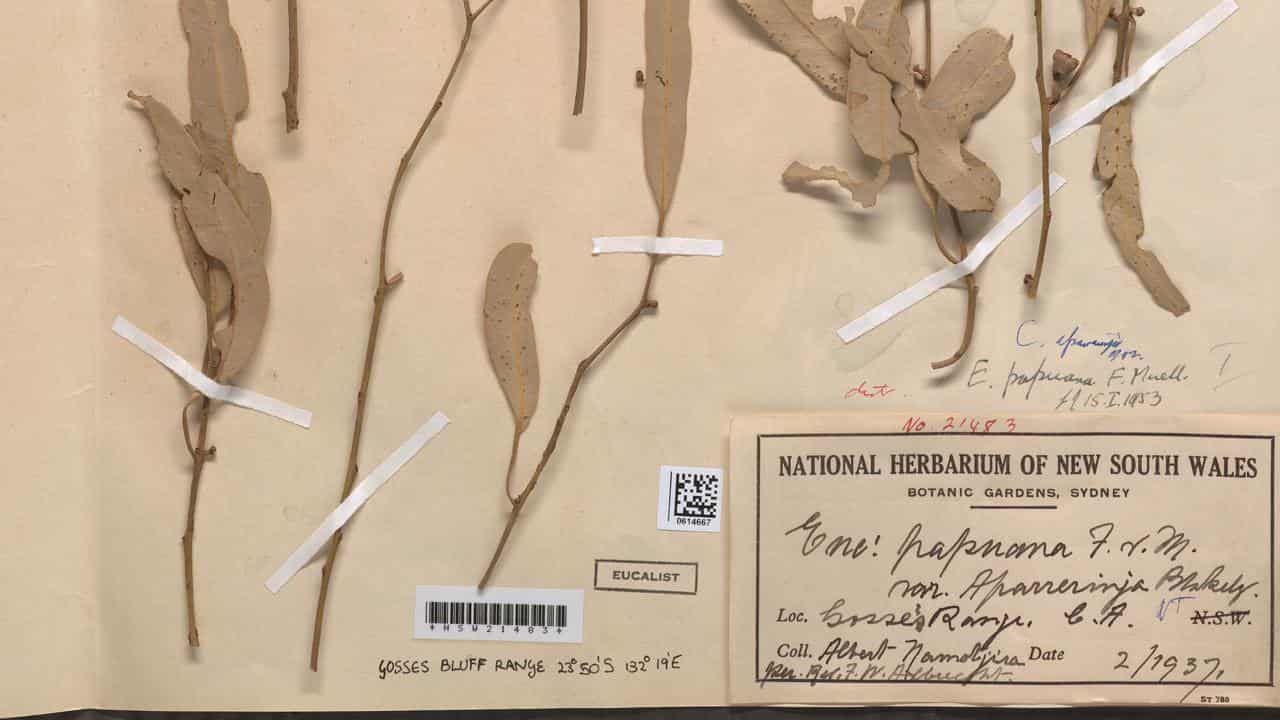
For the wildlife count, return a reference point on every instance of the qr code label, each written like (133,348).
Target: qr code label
(689,498)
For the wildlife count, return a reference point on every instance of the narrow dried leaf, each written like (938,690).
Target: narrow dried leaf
(818,46)
(508,329)
(1096,13)
(1122,207)
(971,80)
(219,90)
(216,76)
(250,190)
(873,118)
(963,180)
(864,192)
(881,35)
(222,229)
(200,265)
(668,64)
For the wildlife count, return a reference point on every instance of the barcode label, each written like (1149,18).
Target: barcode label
(511,614)
(689,498)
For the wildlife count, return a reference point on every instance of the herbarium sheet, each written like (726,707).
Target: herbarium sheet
(585,280)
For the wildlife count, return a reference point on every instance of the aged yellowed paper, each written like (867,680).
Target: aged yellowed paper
(96,470)
(1037,559)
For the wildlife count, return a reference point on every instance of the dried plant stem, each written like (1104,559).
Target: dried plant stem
(581,91)
(199,455)
(1032,281)
(291,92)
(645,304)
(379,298)
(971,297)
(971,288)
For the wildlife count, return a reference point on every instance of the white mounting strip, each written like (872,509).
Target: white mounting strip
(359,495)
(1128,86)
(928,286)
(203,383)
(657,246)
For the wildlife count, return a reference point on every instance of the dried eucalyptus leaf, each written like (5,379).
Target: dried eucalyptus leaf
(864,192)
(222,230)
(974,77)
(881,35)
(963,180)
(250,190)
(216,76)
(1064,66)
(668,64)
(219,88)
(818,46)
(873,118)
(1122,207)
(1096,13)
(508,329)
(203,269)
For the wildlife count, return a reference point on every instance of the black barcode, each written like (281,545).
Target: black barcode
(440,612)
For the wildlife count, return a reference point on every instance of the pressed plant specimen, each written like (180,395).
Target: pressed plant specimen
(898,109)
(222,213)
(384,284)
(508,324)
(1113,164)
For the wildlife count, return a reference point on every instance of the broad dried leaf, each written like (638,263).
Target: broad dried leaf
(1096,13)
(873,118)
(971,80)
(217,80)
(1122,207)
(508,329)
(963,180)
(668,64)
(818,46)
(222,230)
(881,35)
(864,192)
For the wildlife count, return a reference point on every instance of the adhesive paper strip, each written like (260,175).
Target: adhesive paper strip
(657,246)
(1128,86)
(203,383)
(928,286)
(360,494)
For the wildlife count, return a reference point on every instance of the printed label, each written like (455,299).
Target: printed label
(675,578)
(510,614)
(689,498)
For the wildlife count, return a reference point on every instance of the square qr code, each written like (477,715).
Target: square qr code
(697,495)
(689,498)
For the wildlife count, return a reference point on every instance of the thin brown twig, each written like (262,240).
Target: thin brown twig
(581,91)
(379,297)
(291,92)
(199,455)
(1032,281)
(971,301)
(645,304)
